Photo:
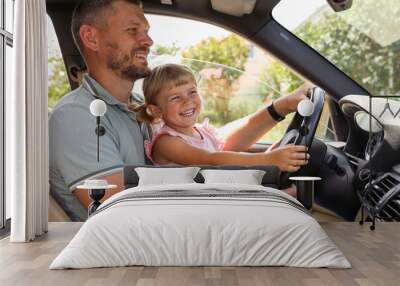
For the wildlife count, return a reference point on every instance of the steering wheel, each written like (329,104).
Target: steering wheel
(301,131)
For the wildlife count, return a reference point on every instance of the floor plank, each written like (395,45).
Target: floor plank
(374,255)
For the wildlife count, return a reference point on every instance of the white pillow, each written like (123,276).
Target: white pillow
(163,176)
(248,177)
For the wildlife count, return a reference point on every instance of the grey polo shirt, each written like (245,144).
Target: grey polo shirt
(73,142)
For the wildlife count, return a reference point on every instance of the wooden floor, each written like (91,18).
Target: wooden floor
(374,255)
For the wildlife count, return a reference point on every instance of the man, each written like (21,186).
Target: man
(112,37)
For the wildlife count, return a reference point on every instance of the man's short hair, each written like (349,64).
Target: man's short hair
(90,12)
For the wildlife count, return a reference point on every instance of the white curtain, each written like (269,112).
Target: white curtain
(27,124)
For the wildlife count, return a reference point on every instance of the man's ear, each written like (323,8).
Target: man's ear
(89,37)
(154,111)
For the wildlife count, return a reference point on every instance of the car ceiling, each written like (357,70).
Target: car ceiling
(197,10)
(259,27)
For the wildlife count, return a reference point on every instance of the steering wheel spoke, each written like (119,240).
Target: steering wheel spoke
(295,135)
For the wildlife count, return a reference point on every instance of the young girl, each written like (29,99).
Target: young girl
(172,100)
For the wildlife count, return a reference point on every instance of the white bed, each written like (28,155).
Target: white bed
(225,225)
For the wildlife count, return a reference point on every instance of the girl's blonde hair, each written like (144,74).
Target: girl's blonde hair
(172,75)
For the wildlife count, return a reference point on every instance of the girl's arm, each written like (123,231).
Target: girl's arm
(288,158)
(261,122)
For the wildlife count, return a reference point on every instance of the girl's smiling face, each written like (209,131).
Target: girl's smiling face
(180,105)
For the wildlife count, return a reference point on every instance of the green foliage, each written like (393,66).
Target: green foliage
(279,80)
(58,80)
(220,63)
(242,106)
(230,51)
(376,67)
(166,50)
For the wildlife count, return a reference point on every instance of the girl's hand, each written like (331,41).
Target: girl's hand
(289,158)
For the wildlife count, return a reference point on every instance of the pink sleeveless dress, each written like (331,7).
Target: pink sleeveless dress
(209,140)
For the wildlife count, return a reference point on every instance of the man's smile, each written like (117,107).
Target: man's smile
(141,55)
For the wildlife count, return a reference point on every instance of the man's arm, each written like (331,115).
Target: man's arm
(261,122)
(113,179)
(73,145)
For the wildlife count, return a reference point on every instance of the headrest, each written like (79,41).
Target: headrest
(270,179)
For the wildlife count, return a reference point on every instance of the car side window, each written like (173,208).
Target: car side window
(325,130)
(58,84)
(235,77)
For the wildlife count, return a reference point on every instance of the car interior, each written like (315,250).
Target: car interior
(345,170)
(209,224)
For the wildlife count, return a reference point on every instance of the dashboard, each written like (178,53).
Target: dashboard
(365,157)
(374,143)
(379,148)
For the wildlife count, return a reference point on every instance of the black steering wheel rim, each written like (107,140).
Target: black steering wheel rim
(298,134)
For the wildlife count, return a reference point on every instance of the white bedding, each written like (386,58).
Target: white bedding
(185,230)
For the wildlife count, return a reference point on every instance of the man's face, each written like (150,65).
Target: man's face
(125,42)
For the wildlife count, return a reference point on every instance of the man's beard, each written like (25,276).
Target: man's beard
(125,67)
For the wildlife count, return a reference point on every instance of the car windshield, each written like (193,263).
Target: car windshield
(363,41)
